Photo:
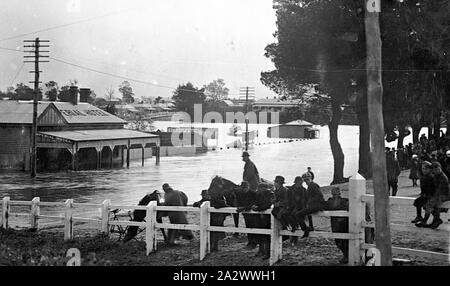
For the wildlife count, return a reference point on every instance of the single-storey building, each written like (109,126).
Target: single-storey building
(294,129)
(70,135)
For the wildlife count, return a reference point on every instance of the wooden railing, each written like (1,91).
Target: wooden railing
(356,214)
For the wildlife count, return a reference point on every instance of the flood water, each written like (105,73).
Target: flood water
(192,173)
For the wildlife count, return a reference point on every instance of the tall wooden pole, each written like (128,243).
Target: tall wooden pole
(35,104)
(36,44)
(246,119)
(376,126)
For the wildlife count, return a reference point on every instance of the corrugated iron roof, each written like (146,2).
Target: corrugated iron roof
(85,113)
(19,112)
(98,135)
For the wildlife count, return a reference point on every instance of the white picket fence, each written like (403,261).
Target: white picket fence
(356,214)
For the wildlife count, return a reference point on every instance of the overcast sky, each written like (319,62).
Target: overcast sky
(161,42)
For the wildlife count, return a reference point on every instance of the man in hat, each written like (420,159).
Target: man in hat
(175,198)
(282,206)
(251,174)
(216,219)
(280,191)
(426,191)
(314,203)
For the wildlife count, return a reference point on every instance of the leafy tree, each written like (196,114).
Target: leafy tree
(186,96)
(127,92)
(64,93)
(216,90)
(158,99)
(24,92)
(316,45)
(52,90)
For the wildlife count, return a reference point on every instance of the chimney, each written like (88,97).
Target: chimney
(74,95)
(84,94)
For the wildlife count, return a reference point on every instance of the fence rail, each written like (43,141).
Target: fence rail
(356,214)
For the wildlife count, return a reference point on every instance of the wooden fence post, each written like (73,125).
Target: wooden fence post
(204,232)
(150,227)
(105,217)
(356,216)
(276,241)
(35,212)
(5,212)
(68,221)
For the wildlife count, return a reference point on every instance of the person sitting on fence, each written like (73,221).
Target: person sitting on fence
(298,203)
(339,224)
(440,195)
(282,205)
(216,219)
(175,198)
(245,200)
(314,202)
(263,201)
(427,190)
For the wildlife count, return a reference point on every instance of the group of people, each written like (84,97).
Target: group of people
(292,206)
(429,163)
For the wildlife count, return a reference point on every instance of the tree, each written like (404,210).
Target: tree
(186,96)
(52,90)
(318,43)
(127,92)
(64,94)
(158,99)
(24,92)
(216,90)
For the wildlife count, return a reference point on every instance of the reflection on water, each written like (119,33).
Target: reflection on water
(190,174)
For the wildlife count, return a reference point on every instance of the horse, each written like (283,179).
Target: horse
(139,216)
(223,188)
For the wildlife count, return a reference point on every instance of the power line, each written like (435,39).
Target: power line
(64,25)
(322,71)
(17,74)
(121,77)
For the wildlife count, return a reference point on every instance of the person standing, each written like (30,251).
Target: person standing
(427,190)
(175,198)
(216,219)
(339,224)
(251,174)
(414,173)
(263,201)
(393,171)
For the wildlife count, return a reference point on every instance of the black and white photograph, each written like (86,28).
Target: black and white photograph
(225,140)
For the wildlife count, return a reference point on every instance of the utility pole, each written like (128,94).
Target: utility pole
(376,126)
(247,91)
(35,59)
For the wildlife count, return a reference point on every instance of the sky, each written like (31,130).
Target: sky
(156,44)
